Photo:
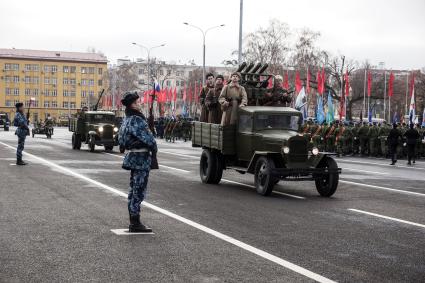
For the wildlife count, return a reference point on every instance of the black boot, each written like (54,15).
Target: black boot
(136,226)
(19,161)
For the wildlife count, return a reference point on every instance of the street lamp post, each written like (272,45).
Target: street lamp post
(204,34)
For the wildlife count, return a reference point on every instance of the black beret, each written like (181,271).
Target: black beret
(19,104)
(129,98)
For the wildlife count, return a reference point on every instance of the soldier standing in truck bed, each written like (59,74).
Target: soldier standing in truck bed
(277,96)
(232,96)
(211,101)
(204,91)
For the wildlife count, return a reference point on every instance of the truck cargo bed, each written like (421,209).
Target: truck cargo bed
(214,136)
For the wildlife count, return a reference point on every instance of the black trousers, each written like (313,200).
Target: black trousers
(411,152)
(393,152)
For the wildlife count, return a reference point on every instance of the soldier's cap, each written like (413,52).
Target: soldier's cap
(129,97)
(209,75)
(219,77)
(19,104)
(236,74)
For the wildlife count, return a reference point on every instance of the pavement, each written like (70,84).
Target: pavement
(57,213)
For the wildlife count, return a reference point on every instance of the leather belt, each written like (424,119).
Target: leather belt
(138,150)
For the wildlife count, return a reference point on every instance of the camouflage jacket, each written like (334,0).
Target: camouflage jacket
(21,123)
(135,134)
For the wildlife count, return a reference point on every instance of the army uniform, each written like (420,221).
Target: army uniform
(356,139)
(344,140)
(140,143)
(364,139)
(373,141)
(232,96)
(330,139)
(214,108)
(316,137)
(384,131)
(204,108)
(22,131)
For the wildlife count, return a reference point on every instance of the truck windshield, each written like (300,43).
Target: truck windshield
(276,122)
(101,118)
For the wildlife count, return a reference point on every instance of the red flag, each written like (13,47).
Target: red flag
(323,80)
(175,94)
(286,81)
(184,93)
(369,82)
(390,85)
(319,82)
(308,82)
(298,83)
(412,83)
(270,83)
(347,84)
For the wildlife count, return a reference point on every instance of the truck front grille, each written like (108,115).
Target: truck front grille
(298,149)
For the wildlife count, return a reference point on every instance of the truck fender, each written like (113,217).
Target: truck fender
(276,156)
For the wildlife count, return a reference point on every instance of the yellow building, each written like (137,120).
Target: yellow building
(59,82)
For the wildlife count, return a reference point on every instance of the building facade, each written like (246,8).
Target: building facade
(58,82)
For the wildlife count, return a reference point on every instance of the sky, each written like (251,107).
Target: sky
(389,31)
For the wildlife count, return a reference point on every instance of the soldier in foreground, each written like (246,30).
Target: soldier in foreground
(392,141)
(232,96)
(22,131)
(411,136)
(211,101)
(140,144)
(204,92)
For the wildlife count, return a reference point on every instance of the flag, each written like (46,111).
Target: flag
(412,84)
(347,84)
(286,81)
(308,82)
(298,83)
(423,118)
(319,83)
(330,113)
(157,86)
(390,85)
(184,93)
(369,82)
(175,94)
(369,116)
(301,102)
(320,114)
(323,80)
(270,82)
(412,114)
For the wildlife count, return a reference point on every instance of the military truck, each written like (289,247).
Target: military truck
(265,142)
(94,128)
(4,121)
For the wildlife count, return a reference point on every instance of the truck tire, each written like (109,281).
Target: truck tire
(32,132)
(92,145)
(327,185)
(76,141)
(219,168)
(109,147)
(208,167)
(122,149)
(263,180)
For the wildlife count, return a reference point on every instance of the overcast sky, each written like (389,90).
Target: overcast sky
(390,31)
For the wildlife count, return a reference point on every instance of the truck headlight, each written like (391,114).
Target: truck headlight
(285,149)
(100,129)
(315,151)
(115,129)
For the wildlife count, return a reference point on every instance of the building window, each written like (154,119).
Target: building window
(72,105)
(31,67)
(46,104)
(27,80)
(16,79)
(83,104)
(54,104)
(91,70)
(9,103)
(99,71)
(27,91)
(83,82)
(54,81)
(66,69)
(7,79)
(46,92)
(99,82)
(91,82)
(46,80)
(72,93)
(16,91)
(72,81)
(168,72)
(91,93)
(72,69)
(161,72)
(35,103)
(35,92)
(83,70)
(141,82)
(54,68)
(83,93)
(65,93)
(65,104)
(141,71)
(54,92)
(11,67)
(65,81)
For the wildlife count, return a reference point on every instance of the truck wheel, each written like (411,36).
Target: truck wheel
(208,167)
(109,147)
(32,132)
(92,145)
(6,129)
(326,185)
(122,149)
(219,168)
(263,180)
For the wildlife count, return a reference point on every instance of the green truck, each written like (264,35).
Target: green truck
(265,142)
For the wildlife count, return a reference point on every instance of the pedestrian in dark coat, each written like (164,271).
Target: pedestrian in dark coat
(392,140)
(211,101)
(141,147)
(22,130)
(411,136)
(202,96)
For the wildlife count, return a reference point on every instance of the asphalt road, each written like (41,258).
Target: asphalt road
(56,216)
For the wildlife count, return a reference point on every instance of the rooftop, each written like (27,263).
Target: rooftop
(52,55)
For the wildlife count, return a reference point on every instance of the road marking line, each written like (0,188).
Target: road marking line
(178,154)
(382,188)
(380,164)
(365,171)
(252,187)
(160,165)
(387,217)
(284,263)
(124,232)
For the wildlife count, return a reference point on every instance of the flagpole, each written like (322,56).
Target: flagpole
(364,93)
(407,90)
(385,90)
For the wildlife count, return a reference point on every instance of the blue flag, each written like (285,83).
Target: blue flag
(330,114)
(423,119)
(320,114)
